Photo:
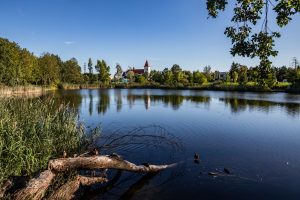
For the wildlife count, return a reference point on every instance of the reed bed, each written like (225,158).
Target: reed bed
(33,131)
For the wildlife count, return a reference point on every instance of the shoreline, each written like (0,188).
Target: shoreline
(24,90)
(38,90)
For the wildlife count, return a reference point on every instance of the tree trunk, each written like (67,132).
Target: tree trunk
(6,185)
(67,191)
(36,187)
(102,162)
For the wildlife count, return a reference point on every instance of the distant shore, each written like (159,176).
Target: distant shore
(29,90)
(38,90)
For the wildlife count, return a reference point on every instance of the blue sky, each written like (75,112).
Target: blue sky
(130,31)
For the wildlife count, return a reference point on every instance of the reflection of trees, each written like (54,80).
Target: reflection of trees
(104,101)
(65,97)
(91,102)
(118,99)
(239,105)
(173,100)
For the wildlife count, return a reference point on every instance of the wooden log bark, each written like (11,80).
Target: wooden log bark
(67,191)
(102,162)
(6,185)
(36,187)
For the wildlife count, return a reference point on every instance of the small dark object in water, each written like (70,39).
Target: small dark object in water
(196,161)
(226,171)
(146,164)
(64,154)
(196,157)
(212,173)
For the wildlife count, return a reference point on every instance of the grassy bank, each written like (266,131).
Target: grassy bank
(33,131)
(23,90)
(216,86)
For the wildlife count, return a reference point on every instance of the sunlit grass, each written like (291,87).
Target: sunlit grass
(32,132)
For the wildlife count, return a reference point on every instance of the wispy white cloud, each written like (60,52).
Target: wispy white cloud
(69,42)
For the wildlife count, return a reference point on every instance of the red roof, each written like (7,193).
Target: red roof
(136,71)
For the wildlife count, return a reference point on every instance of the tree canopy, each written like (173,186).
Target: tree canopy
(248,42)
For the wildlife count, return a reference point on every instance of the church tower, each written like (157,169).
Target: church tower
(147,68)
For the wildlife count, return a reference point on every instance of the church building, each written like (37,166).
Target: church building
(146,70)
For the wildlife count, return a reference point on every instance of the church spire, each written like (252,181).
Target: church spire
(146,64)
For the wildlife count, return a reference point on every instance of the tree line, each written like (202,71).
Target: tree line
(18,66)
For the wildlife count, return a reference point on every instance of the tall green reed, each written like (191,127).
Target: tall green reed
(32,131)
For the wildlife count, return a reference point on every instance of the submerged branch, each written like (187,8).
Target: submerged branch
(102,162)
(37,187)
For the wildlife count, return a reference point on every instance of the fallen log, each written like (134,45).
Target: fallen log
(4,187)
(36,187)
(67,191)
(102,162)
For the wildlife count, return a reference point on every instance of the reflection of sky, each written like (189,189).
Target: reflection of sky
(253,134)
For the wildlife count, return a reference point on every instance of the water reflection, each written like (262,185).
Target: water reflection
(238,102)
(104,101)
(255,135)
(241,105)
(118,99)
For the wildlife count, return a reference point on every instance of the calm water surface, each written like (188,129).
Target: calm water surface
(254,135)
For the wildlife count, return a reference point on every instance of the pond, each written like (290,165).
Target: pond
(256,136)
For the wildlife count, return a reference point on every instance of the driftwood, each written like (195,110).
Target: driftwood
(102,162)
(37,187)
(68,190)
(4,187)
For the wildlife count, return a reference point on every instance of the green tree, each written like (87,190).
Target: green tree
(29,69)
(140,79)
(177,73)
(103,70)
(50,66)
(156,76)
(167,76)
(119,72)
(235,76)
(199,78)
(243,74)
(247,14)
(92,78)
(71,72)
(10,65)
(130,76)
(104,73)
(207,73)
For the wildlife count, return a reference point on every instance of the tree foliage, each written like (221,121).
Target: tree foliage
(103,69)
(249,43)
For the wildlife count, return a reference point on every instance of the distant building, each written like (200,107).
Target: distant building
(221,76)
(146,70)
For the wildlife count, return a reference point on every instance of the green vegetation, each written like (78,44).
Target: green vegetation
(247,39)
(32,131)
(19,67)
